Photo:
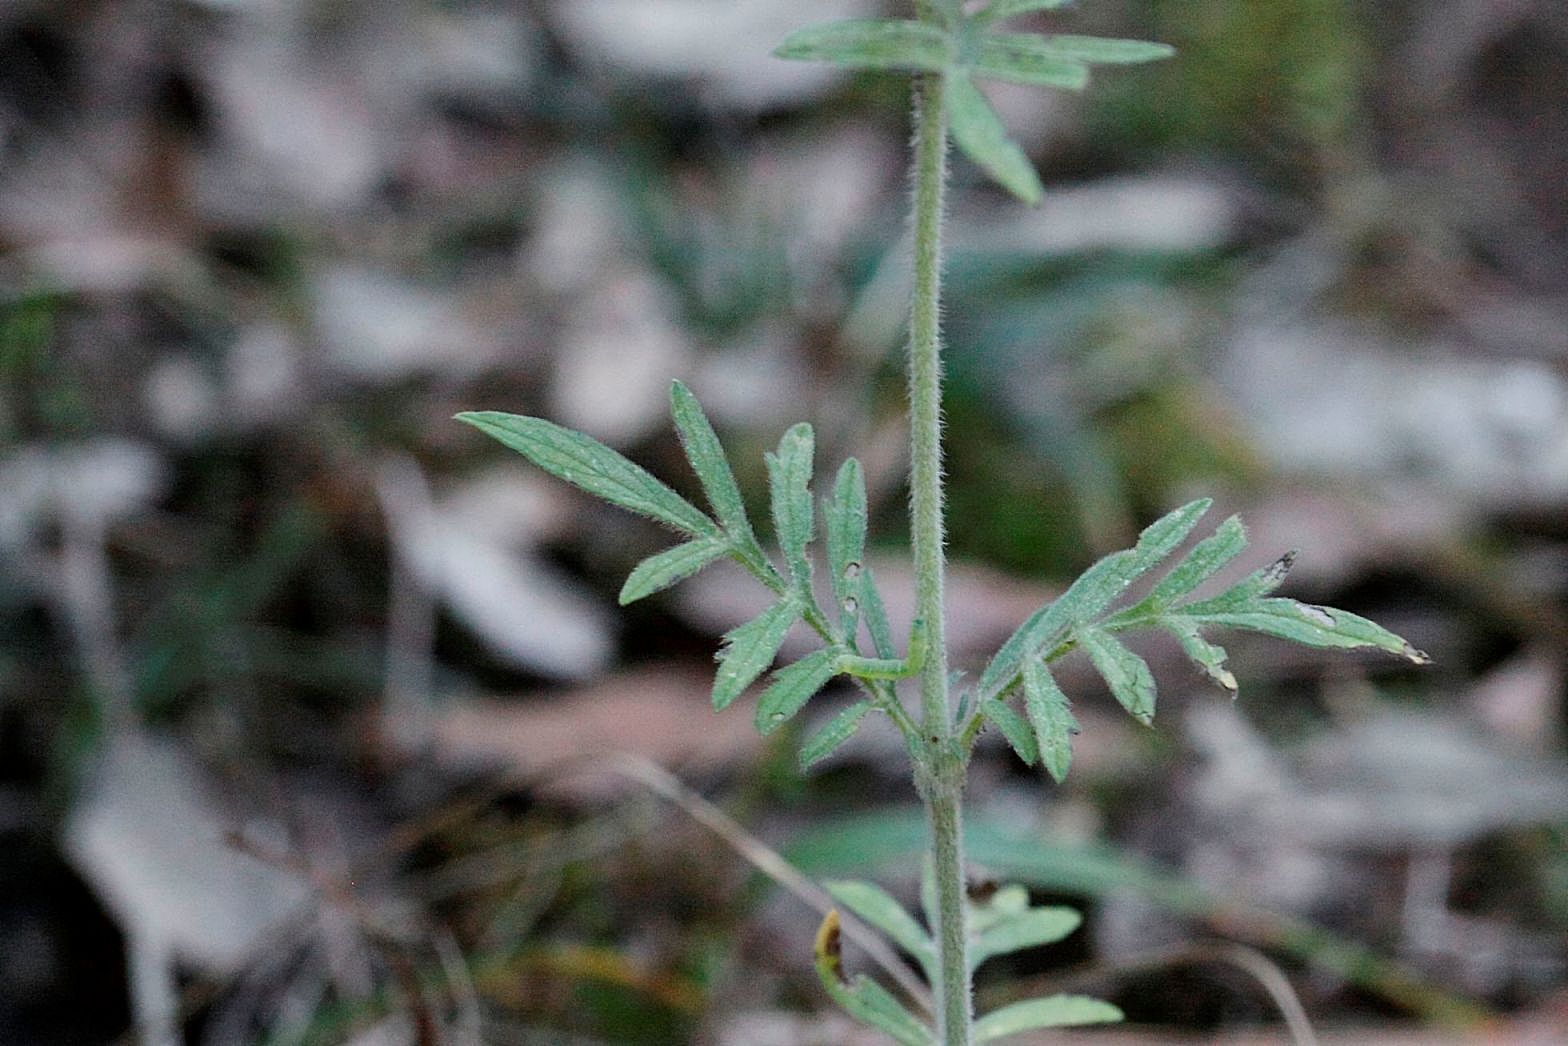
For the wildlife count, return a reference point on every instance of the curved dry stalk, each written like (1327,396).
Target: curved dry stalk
(760,856)
(1254,963)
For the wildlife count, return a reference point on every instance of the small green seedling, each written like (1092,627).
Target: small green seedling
(948,49)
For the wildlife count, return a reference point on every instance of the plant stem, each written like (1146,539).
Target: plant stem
(942,776)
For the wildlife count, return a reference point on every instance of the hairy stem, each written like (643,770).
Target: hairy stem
(942,777)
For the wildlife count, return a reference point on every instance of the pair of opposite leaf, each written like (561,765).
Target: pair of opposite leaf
(1081,618)
(1004,924)
(961,48)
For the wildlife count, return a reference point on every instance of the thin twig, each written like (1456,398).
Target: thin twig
(760,856)
(1249,960)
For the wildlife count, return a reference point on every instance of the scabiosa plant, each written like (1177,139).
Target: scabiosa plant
(947,46)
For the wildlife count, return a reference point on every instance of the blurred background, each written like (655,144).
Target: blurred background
(297,676)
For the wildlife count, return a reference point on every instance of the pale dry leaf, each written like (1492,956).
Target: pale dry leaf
(661,713)
(151,839)
(724,46)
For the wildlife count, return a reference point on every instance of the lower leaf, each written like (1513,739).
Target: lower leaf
(1056,1011)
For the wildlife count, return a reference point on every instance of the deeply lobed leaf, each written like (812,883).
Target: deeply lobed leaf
(870,43)
(589,465)
(1094,590)
(748,650)
(659,572)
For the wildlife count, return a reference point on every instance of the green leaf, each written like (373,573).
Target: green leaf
(1244,592)
(980,134)
(1095,50)
(1050,713)
(845,513)
(657,573)
(999,9)
(1027,929)
(862,998)
(1202,562)
(1013,728)
(789,472)
(792,687)
(875,613)
(1309,625)
(839,729)
(1125,672)
(1094,590)
(878,908)
(708,460)
(1009,902)
(1208,657)
(1056,1011)
(591,466)
(748,651)
(1009,56)
(870,43)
